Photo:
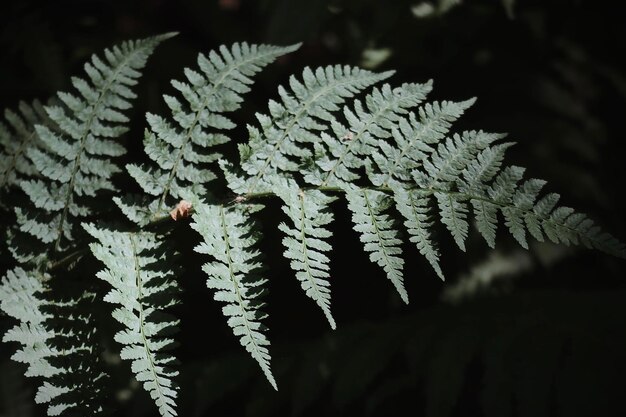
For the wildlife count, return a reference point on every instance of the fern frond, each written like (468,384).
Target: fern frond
(18,299)
(467,170)
(74,163)
(305,244)
(182,148)
(412,141)
(368,124)
(142,290)
(378,232)
(229,236)
(453,156)
(71,161)
(443,166)
(79,387)
(453,210)
(413,205)
(296,122)
(64,158)
(57,344)
(15,141)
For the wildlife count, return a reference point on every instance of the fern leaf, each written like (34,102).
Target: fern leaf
(486,220)
(454,215)
(413,205)
(413,141)
(468,168)
(369,124)
(74,160)
(18,299)
(182,147)
(304,242)
(79,387)
(485,167)
(142,290)
(228,235)
(501,190)
(378,232)
(297,120)
(15,141)
(453,156)
(57,344)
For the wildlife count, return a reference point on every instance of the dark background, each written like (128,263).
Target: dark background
(546,337)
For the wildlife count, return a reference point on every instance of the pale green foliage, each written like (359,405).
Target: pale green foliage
(68,151)
(412,140)
(413,205)
(229,236)
(142,290)
(77,385)
(295,123)
(393,157)
(378,232)
(431,8)
(467,170)
(304,242)
(497,267)
(15,139)
(343,153)
(18,299)
(413,163)
(43,349)
(74,161)
(181,148)
(509,8)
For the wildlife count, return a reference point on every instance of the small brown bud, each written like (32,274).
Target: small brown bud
(181,210)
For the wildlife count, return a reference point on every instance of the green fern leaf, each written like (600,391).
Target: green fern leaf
(454,215)
(57,344)
(367,128)
(502,189)
(183,147)
(469,168)
(79,387)
(18,299)
(413,205)
(64,158)
(412,140)
(304,242)
(378,232)
(296,122)
(229,236)
(134,270)
(486,220)
(453,157)
(74,161)
(17,140)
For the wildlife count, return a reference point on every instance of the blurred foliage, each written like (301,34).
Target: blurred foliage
(549,73)
(521,355)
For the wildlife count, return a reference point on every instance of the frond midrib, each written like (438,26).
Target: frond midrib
(376,228)
(233,277)
(305,249)
(464,196)
(501,204)
(146,344)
